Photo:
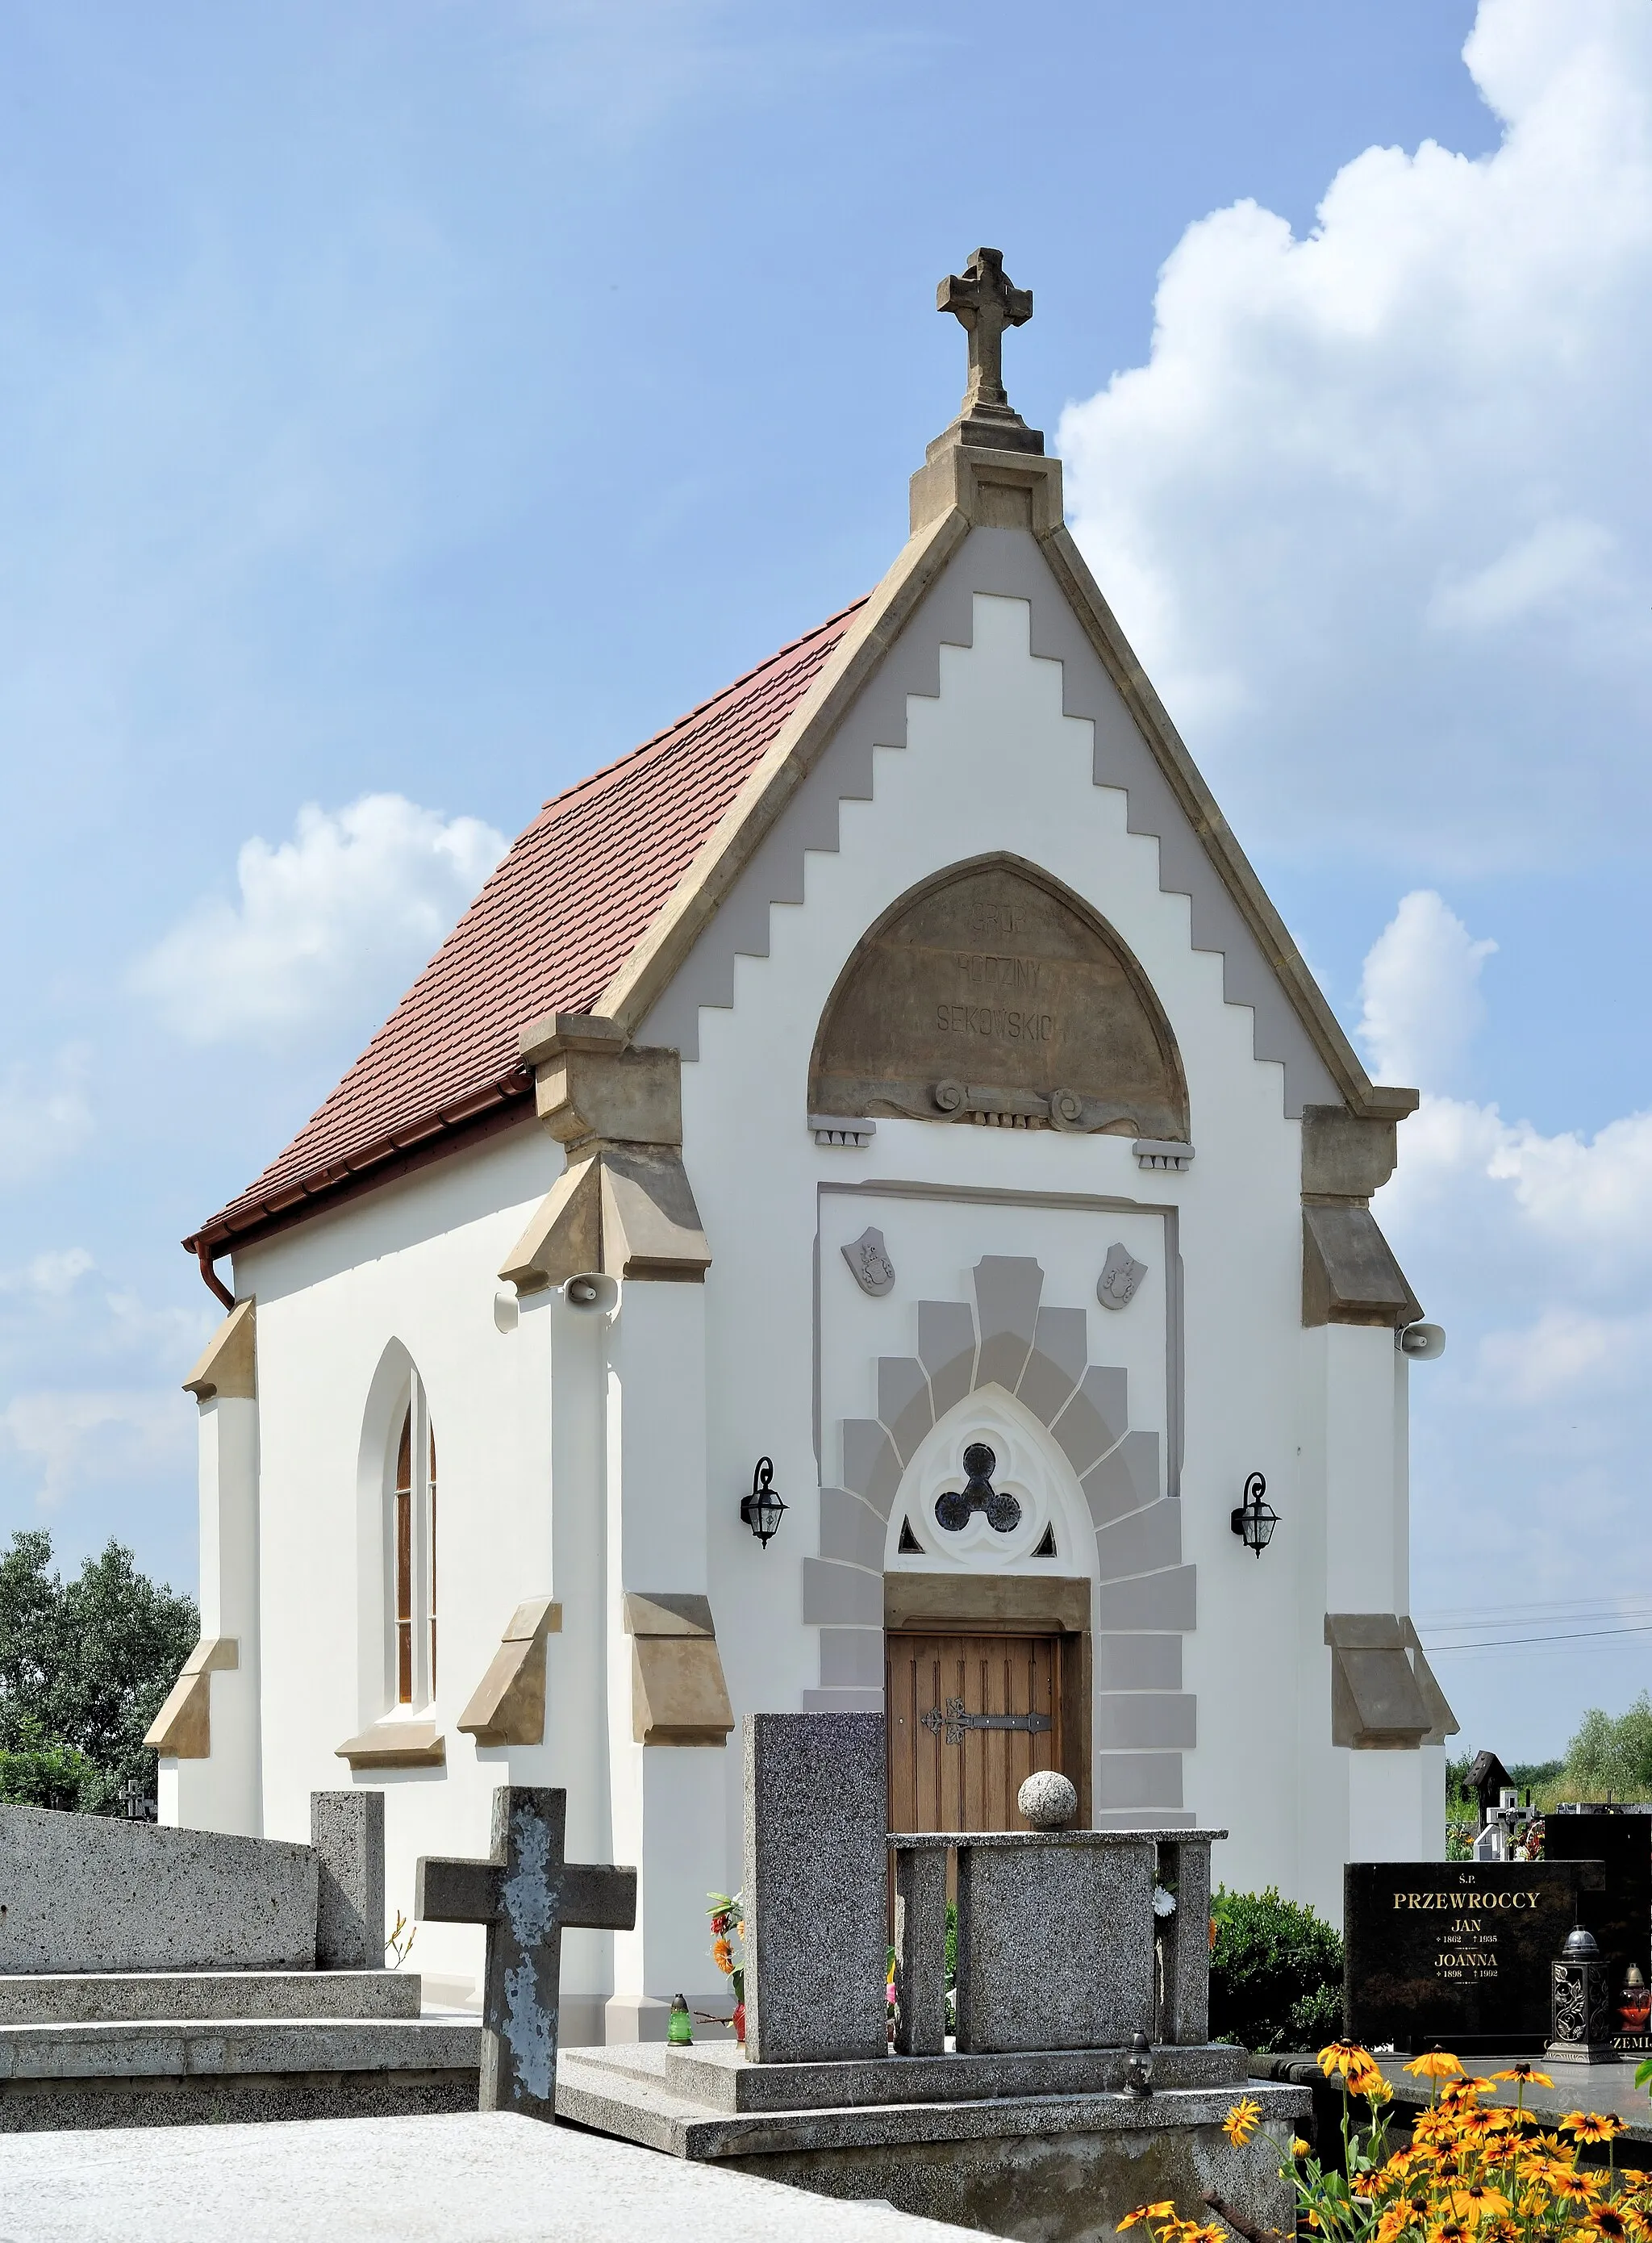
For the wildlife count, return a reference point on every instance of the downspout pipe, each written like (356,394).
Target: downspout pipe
(209,1275)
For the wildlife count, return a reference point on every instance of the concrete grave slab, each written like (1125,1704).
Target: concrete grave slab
(1059,2165)
(719,2075)
(347,1831)
(115,1998)
(1055,1941)
(85,1892)
(463,2178)
(815,1808)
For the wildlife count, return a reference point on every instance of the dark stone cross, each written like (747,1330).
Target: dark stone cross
(985,303)
(525,1893)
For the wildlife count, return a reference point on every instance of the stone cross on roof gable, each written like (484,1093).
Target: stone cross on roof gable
(525,1893)
(985,303)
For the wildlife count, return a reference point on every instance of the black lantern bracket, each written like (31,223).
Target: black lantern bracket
(761,1509)
(1254,1520)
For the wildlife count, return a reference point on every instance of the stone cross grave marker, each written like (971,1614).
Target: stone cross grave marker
(525,1894)
(985,302)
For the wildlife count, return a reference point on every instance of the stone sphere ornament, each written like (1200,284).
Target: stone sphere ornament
(1047,1801)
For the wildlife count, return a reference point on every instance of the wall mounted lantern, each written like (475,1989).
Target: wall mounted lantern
(761,1509)
(1254,1520)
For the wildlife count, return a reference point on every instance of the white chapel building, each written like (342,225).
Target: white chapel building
(887,1089)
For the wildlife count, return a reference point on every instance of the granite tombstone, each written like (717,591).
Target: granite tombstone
(1620,1913)
(1456,1953)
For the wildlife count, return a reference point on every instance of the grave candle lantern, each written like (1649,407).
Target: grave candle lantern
(1579,2004)
(1634,2004)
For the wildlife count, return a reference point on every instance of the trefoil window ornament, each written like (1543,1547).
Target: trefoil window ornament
(957,1507)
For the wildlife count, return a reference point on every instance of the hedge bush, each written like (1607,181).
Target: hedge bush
(1276,1973)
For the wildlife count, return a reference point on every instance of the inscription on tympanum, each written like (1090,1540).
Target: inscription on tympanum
(992,994)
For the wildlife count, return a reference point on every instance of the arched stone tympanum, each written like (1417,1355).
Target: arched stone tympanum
(991,993)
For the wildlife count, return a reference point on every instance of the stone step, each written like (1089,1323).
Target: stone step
(717,2074)
(85,1998)
(157,2048)
(633,2100)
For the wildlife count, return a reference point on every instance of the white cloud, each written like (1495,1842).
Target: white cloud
(45,1116)
(54,1273)
(1376,511)
(172,1338)
(323,923)
(77,1439)
(1583,1206)
(1534,1249)
(1420,992)
(1565,1354)
(1559,563)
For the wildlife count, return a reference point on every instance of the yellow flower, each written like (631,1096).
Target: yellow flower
(1165,2211)
(1570,2188)
(1242,2121)
(1437,2064)
(1610,2224)
(1589,2126)
(1298,2147)
(1463,2094)
(1335,2061)
(1477,2202)
(1524,2075)
(1398,2220)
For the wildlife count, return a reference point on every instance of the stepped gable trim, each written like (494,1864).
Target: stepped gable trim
(458,1026)
(1374,1100)
(646,975)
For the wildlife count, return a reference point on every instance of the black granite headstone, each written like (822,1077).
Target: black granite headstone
(1456,1954)
(1620,1916)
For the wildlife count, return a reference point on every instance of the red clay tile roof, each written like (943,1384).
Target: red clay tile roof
(554,922)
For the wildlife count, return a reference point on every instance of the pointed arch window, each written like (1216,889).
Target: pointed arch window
(412,1555)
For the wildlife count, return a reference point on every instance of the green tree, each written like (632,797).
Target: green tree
(84,1665)
(1611,1757)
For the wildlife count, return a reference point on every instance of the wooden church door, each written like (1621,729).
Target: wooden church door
(971,1717)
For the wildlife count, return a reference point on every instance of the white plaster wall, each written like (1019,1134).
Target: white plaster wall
(412,1267)
(995,764)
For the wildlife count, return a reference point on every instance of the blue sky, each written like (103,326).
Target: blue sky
(403,409)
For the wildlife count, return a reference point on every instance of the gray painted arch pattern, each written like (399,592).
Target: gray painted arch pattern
(1143,1721)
